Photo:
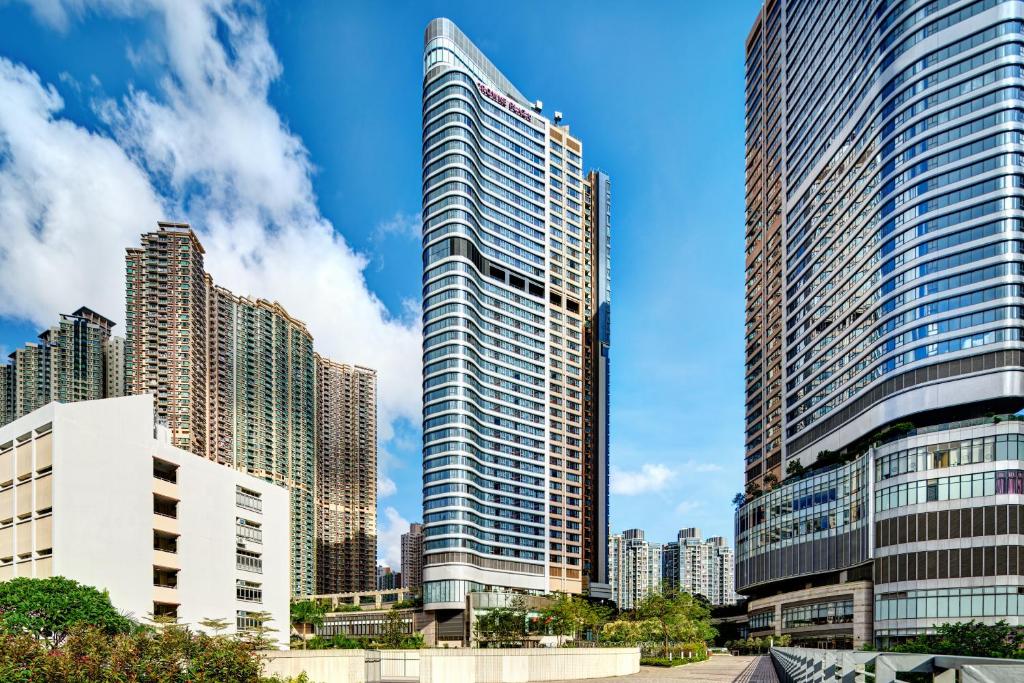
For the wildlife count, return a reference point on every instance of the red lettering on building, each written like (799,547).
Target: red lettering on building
(503,101)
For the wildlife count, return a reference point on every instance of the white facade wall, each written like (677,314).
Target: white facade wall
(103,519)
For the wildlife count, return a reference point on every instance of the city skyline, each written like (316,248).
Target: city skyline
(655,457)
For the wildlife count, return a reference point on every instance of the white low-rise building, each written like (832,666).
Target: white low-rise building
(94,491)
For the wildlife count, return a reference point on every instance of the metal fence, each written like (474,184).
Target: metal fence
(805,665)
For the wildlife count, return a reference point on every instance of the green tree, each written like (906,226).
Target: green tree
(571,615)
(622,631)
(503,626)
(258,636)
(676,617)
(47,609)
(393,633)
(306,615)
(215,625)
(970,639)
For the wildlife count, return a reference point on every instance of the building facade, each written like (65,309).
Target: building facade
(635,568)
(507,280)
(763,258)
(895,153)
(700,567)
(597,293)
(412,558)
(165,351)
(95,492)
(234,378)
(74,360)
(346,477)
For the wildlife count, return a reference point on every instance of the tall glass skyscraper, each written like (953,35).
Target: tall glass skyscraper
(515,279)
(885,184)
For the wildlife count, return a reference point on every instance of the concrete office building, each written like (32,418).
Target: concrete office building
(886,152)
(94,491)
(412,558)
(635,568)
(346,477)
(76,359)
(509,305)
(700,567)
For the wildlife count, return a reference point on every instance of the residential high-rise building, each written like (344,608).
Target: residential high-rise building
(883,180)
(764,251)
(387,579)
(166,350)
(700,567)
(233,378)
(95,492)
(634,568)
(346,477)
(509,304)
(114,367)
(412,557)
(597,216)
(72,361)
(6,393)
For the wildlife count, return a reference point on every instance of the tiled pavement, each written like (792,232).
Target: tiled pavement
(718,669)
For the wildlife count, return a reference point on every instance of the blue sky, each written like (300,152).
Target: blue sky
(324,98)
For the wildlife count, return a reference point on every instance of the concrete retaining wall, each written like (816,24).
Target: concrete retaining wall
(322,666)
(459,665)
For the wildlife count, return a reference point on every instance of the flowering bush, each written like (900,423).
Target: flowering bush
(171,654)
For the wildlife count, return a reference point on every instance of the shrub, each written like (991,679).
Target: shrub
(47,609)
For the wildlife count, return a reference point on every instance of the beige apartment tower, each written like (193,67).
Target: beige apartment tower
(165,319)
(233,377)
(346,476)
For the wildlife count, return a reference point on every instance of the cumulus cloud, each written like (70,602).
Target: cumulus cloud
(687,506)
(650,477)
(401,224)
(204,146)
(389,538)
(655,476)
(385,486)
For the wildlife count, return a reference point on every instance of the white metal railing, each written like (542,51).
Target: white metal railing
(247,501)
(249,563)
(806,665)
(249,533)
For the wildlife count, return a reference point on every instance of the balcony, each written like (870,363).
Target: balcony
(247,561)
(165,585)
(248,501)
(247,533)
(166,560)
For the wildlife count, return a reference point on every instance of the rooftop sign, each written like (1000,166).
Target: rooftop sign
(503,101)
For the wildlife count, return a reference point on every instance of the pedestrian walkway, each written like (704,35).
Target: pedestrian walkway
(718,669)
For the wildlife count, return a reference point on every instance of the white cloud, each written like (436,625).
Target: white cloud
(687,506)
(385,486)
(650,477)
(389,538)
(401,224)
(654,476)
(205,146)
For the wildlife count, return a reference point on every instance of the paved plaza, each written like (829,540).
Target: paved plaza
(718,669)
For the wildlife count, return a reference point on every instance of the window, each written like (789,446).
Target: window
(248,591)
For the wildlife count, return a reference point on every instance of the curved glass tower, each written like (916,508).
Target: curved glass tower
(508,297)
(884,138)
